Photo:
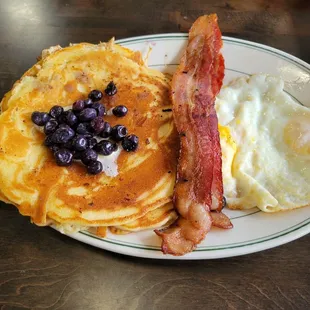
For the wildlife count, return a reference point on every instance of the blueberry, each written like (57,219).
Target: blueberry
(77,155)
(68,145)
(130,143)
(78,105)
(50,126)
(56,111)
(87,115)
(88,102)
(120,111)
(83,128)
(63,134)
(63,157)
(45,117)
(104,147)
(105,133)
(63,126)
(94,167)
(99,108)
(80,143)
(71,118)
(92,142)
(62,118)
(95,95)
(88,156)
(88,135)
(97,125)
(115,147)
(77,113)
(224,202)
(54,148)
(111,89)
(118,132)
(48,141)
(40,118)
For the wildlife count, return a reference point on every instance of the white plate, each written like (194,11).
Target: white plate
(253,230)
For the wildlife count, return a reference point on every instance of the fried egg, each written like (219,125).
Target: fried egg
(265,140)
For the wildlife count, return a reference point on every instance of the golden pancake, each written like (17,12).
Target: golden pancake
(140,181)
(160,217)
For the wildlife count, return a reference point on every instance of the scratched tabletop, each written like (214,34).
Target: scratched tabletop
(42,269)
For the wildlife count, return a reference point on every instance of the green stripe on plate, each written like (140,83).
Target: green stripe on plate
(228,69)
(256,46)
(208,248)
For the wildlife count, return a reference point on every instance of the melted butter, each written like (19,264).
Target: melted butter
(109,163)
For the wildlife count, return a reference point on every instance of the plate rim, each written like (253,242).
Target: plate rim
(276,51)
(155,253)
(195,255)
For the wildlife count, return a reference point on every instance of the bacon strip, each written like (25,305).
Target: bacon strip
(220,220)
(199,187)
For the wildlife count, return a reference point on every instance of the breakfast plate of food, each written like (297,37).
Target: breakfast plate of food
(169,146)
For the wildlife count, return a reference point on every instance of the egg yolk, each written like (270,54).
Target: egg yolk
(226,135)
(297,136)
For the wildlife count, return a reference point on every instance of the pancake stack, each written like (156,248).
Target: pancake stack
(138,194)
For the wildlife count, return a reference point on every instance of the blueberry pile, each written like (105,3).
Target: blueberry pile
(72,134)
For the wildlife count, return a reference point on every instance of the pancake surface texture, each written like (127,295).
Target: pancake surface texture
(139,182)
(158,218)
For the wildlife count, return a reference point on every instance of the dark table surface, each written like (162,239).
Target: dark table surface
(42,269)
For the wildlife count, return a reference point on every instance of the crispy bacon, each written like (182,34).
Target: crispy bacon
(220,220)
(199,187)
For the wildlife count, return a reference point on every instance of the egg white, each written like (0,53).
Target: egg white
(265,140)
